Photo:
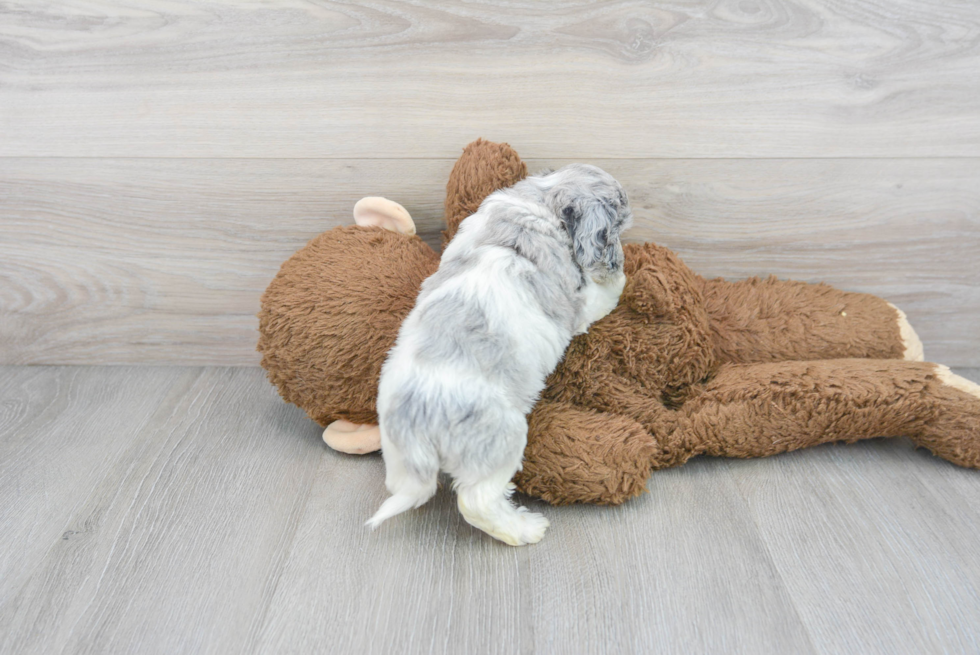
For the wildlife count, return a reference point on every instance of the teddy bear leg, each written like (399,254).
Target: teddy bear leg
(766,320)
(483,168)
(577,455)
(755,410)
(954,431)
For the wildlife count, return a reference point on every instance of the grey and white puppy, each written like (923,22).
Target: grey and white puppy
(534,266)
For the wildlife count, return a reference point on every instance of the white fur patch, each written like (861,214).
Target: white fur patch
(913,345)
(951,379)
(485,506)
(600,300)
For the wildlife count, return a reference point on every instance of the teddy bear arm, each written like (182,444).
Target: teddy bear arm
(760,320)
(578,455)
(755,410)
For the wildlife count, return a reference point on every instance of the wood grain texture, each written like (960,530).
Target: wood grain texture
(646,577)
(177,548)
(196,513)
(49,421)
(164,261)
(692,78)
(879,581)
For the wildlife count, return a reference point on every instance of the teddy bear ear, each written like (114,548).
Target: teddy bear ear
(375,211)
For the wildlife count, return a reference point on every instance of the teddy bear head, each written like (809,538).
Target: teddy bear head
(334,309)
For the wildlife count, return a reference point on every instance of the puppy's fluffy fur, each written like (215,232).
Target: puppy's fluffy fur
(537,264)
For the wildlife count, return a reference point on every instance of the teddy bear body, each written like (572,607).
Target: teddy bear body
(683,366)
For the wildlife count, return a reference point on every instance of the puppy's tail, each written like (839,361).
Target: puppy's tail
(411,486)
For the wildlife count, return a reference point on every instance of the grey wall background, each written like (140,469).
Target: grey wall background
(158,161)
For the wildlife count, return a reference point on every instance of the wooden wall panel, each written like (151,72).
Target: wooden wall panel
(159,160)
(164,260)
(689,78)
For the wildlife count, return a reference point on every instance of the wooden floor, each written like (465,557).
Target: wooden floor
(188,510)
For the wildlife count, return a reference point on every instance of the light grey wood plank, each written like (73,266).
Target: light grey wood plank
(178,548)
(678,570)
(62,431)
(164,261)
(907,231)
(214,520)
(877,550)
(958,491)
(759,78)
(969,373)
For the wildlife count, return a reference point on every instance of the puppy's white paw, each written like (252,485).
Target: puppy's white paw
(514,526)
(520,530)
(533,527)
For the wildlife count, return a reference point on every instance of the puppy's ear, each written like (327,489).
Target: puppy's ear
(588,223)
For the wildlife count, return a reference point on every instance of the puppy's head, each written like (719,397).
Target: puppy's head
(595,211)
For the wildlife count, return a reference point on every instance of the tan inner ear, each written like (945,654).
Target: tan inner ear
(375,211)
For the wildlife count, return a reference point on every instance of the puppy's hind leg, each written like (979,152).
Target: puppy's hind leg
(409,488)
(485,504)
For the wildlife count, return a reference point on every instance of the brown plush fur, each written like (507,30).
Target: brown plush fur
(483,168)
(326,323)
(767,320)
(683,366)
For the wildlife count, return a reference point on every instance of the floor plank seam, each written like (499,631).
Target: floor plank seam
(769,557)
(255,636)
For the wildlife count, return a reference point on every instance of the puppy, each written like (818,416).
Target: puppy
(534,266)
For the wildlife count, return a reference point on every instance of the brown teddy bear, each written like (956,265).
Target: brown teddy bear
(683,366)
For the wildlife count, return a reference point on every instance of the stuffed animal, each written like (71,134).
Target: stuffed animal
(684,366)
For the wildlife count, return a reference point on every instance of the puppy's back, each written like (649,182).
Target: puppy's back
(481,328)
(473,355)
